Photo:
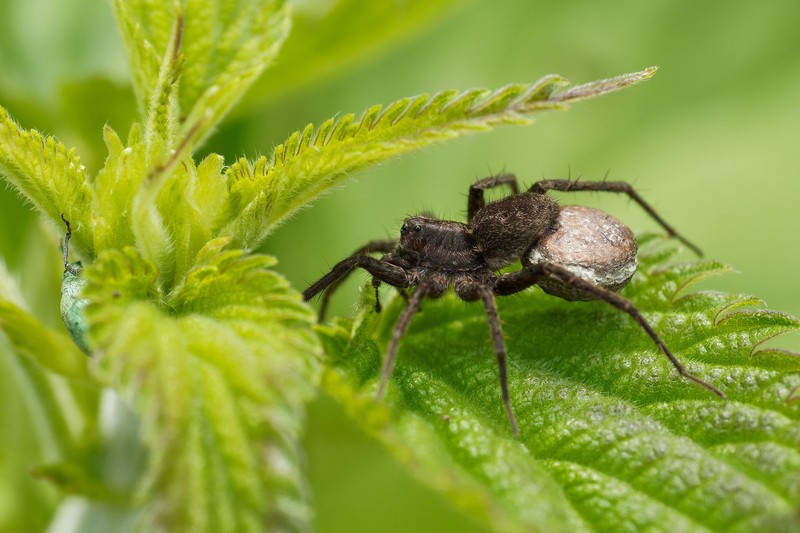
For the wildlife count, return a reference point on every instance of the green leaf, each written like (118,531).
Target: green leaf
(218,371)
(612,438)
(224,45)
(266,192)
(47,174)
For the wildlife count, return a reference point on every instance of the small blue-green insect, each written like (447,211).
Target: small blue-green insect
(72,305)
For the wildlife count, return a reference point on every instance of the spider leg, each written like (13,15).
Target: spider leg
(499,342)
(514,282)
(476,200)
(469,291)
(399,330)
(380,270)
(376,284)
(383,245)
(543,186)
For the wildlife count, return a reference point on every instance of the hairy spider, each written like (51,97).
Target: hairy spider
(432,254)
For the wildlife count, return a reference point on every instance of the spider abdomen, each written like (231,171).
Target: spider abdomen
(591,244)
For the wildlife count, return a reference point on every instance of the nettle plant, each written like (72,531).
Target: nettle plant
(186,414)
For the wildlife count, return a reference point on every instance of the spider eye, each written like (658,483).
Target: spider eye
(404,229)
(417,227)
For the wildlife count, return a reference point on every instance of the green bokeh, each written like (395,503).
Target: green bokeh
(712,141)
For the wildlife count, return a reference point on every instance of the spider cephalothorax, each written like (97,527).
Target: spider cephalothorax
(433,255)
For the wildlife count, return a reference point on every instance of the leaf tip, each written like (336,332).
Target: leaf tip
(599,87)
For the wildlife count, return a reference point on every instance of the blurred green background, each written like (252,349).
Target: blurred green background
(713,142)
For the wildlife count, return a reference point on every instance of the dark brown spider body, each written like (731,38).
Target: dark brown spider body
(507,228)
(427,242)
(529,227)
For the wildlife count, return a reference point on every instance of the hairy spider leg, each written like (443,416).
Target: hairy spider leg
(381,245)
(490,306)
(541,187)
(337,275)
(382,270)
(514,282)
(399,330)
(470,291)
(476,199)
(376,284)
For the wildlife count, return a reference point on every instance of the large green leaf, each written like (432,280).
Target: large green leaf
(218,373)
(612,438)
(266,192)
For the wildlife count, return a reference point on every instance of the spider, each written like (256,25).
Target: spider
(432,255)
